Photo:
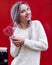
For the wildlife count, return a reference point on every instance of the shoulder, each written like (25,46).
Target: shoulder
(36,22)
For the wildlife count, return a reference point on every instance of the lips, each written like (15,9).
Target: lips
(27,16)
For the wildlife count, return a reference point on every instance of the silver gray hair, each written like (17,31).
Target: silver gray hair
(15,11)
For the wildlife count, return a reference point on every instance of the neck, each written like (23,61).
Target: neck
(24,25)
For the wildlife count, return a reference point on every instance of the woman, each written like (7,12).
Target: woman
(28,39)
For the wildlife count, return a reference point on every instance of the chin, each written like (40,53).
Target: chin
(29,19)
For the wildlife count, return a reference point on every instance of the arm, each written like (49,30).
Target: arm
(13,49)
(40,44)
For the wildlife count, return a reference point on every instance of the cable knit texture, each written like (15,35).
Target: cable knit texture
(29,53)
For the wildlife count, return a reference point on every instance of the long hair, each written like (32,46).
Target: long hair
(15,10)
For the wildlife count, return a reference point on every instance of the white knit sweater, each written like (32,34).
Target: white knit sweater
(29,52)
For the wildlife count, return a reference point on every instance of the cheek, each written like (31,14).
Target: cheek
(30,12)
(22,15)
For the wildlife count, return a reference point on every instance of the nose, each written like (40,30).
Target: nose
(27,13)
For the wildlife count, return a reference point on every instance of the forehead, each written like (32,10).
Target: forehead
(23,6)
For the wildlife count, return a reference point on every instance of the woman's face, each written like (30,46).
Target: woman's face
(25,13)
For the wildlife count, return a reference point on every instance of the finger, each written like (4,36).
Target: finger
(16,42)
(14,39)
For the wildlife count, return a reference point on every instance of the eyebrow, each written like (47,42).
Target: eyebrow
(26,8)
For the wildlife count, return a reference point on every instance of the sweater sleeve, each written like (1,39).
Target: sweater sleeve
(13,49)
(40,44)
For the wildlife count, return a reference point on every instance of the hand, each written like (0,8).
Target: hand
(18,41)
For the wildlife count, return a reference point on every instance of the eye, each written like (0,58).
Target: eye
(22,11)
(28,8)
